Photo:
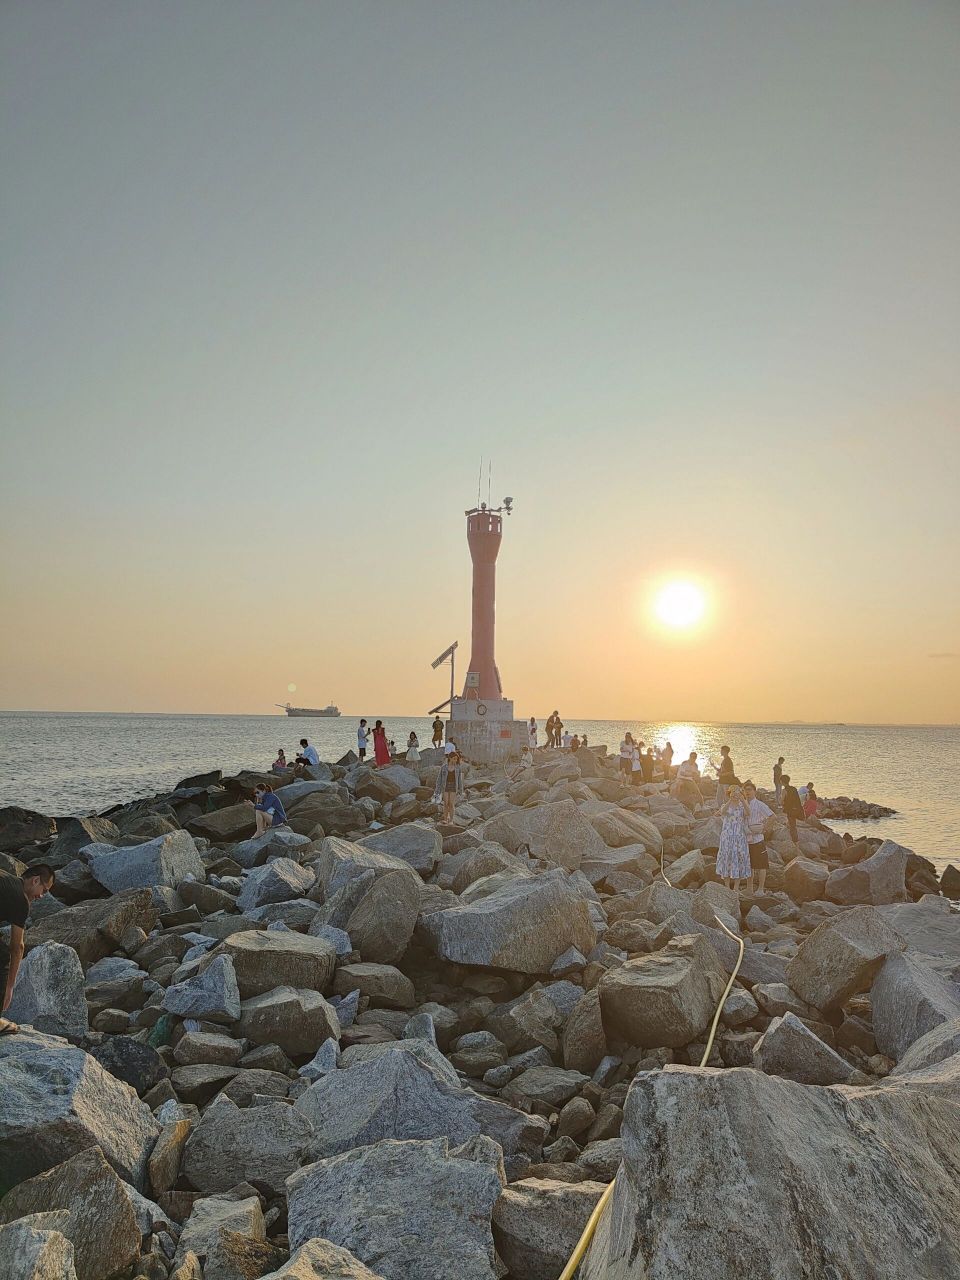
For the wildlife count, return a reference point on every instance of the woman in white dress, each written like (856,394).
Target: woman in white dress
(413,749)
(733,855)
(532,734)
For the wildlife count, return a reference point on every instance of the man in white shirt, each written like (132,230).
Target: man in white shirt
(363,735)
(307,759)
(758,820)
(626,755)
(566,739)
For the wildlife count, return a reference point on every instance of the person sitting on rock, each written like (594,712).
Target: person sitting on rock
(307,759)
(575,743)
(811,804)
(280,764)
(269,811)
(686,788)
(16,895)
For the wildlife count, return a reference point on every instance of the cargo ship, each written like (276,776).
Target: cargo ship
(325,713)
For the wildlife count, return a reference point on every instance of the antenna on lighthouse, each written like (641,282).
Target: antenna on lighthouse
(479,479)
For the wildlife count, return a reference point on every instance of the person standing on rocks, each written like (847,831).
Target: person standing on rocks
(381,748)
(532,734)
(16,895)
(792,806)
(778,778)
(437,733)
(363,737)
(759,818)
(449,784)
(666,759)
(554,734)
(626,755)
(726,776)
(733,855)
(413,749)
(268,808)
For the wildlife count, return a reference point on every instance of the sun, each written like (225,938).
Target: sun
(680,604)
(291,688)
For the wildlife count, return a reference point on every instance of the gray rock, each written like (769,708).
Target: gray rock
(909,1000)
(265,959)
(537,1223)
(321,1260)
(841,957)
(212,995)
(858,1182)
(94,929)
(41,1126)
(805,879)
(210,1216)
(385,986)
(936,1046)
(230,1145)
(207,1046)
(295,1019)
(382,922)
(879,878)
(550,1086)
(667,998)
(34,1248)
(932,932)
(415,843)
(49,994)
(739,1008)
(276,842)
(404,1208)
(790,1049)
(339,861)
(554,832)
(325,1060)
(339,939)
(278,881)
(584,1040)
(164,861)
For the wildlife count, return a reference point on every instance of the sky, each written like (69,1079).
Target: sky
(277,276)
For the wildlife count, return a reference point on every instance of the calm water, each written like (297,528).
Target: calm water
(70,763)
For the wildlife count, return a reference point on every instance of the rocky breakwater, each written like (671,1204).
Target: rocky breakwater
(371,1044)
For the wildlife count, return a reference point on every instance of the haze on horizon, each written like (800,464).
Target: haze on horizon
(276,276)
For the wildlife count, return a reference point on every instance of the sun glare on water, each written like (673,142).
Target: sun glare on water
(680,604)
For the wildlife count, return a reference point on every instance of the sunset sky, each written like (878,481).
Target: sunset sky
(275,276)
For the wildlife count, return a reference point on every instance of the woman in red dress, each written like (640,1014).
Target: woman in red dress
(381,752)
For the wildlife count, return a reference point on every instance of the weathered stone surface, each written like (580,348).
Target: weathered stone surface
(936,1046)
(399,1094)
(94,929)
(880,878)
(212,1215)
(102,1227)
(49,993)
(584,1040)
(166,860)
(523,926)
(666,998)
(403,1208)
(234,1256)
(276,842)
(164,1167)
(74,834)
(19,827)
(790,1049)
(138,1065)
(339,861)
(212,995)
(805,879)
(551,1086)
(296,1019)
(383,920)
(207,1046)
(41,1126)
(321,1260)
(264,959)
(841,957)
(225,826)
(278,881)
(385,986)
(414,843)
(231,1145)
(554,832)
(199,1082)
(620,827)
(859,1182)
(537,1223)
(932,931)
(34,1248)
(909,1000)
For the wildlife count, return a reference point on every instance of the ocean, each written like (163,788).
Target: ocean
(71,763)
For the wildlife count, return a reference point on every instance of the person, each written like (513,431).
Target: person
(308,757)
(557,729)
(449,784)
(575,743)
(437,733)
(759,819)
(280,764)
(583,741)
(792,806)
(647,763)
(551,721)
(413,749)
(268,808)
(566,740)
(525,762)
(811,804)
(733,855)
(666,759)
(690,770)
(381,750)
(726,776)
(687,786)
(626,755)
(636,765)
(532,734)
(778,777)
(393,748)
(363,737)
(16,895)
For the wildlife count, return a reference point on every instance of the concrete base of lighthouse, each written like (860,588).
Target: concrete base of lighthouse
(486,732)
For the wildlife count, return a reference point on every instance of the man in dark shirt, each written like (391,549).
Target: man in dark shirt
(16,894)
(792,806)
(778,778)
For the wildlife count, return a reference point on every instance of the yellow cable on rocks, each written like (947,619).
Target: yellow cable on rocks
(570,1270)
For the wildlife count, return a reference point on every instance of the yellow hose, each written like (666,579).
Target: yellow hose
(573,1262)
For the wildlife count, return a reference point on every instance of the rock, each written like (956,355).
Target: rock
(950,882)
(841,957)
(909,1000)
(19,827)
(234,1256)
(601,1160)
(265,959)
(225,826)
(554,832)
(41,1126)
(739,1008)
(936,1046)
(413,843)
(276,842)
(788,1048)
(34,1248)
(404,1208)
(212,1215)
(74,834)
(584,1040)
(207,1046)
(278,881)
(102,1227)
(403,1095)
(932,931)
(551,1086)
(321,1260)
(138,1065)
(166,860)
(805,880)
(880,878)
(667,998)
(339,861)
(229,1145)
(212,995)
(197,1084)
(164,1167)
(523,926)
(295,1019)
(49,994)
(690,869)
(382,922)
(94,929)
(384,985)
(858,1182)
(537,1223)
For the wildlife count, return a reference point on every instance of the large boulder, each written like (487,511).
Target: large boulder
(339,861)
(212,994)
(666,998)
(936,1046)
(225,826)
(231,1145)
(909,999)
(295,1019)
(805,879)
(321,1260)
(382,984)
(524,926)
(415,843)
(401,1094)
(554,832)
(74,834)
(211,1216)
(584,1040)
(790,1049)
(858,1182)
(880,878)
(49,994)
(268,958)
(136,1064)
(102,1226)
(19,827)
(620,827)
(381,920)
(932,931)
(328,810)
(278,881)
(403,1208)
(537,1223)
(841,957)
(41,1126)
(164,861)
(35,1248)
(276,842)
(94,929)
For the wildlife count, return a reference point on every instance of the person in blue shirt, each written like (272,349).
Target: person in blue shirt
(268,809)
